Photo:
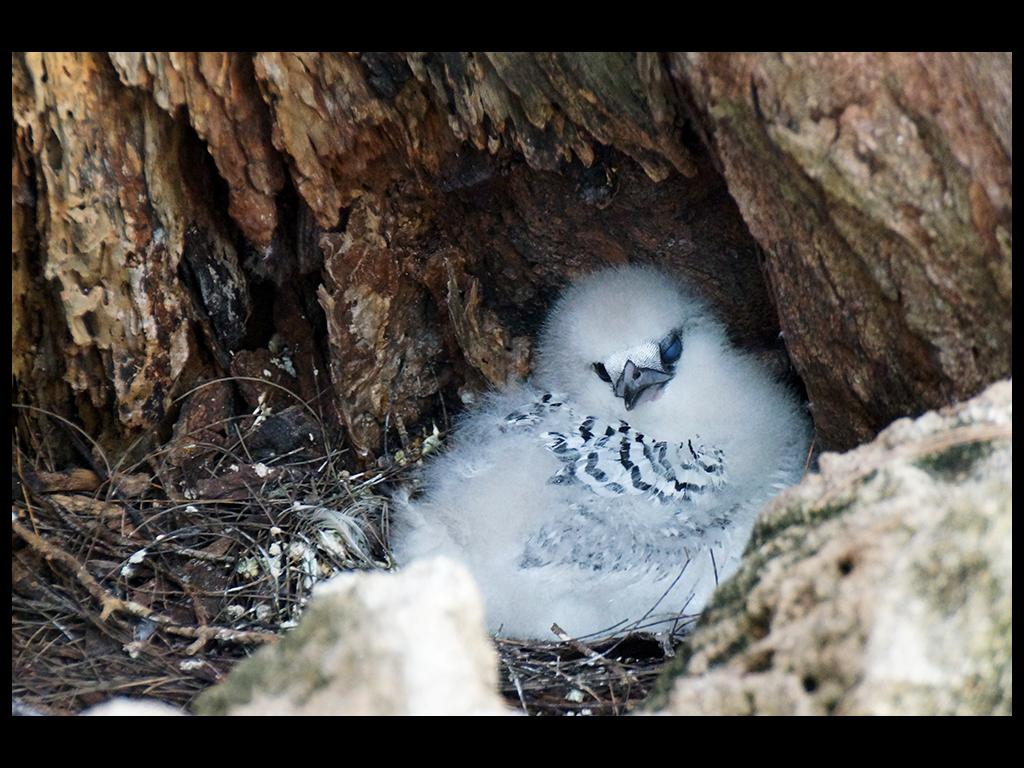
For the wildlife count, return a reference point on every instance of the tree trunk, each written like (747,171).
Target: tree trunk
(880,187)
(393,226)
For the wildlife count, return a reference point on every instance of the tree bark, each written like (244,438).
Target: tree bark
(880,188)
(398,223)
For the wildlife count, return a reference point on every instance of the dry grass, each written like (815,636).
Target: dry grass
(121,588)
(612,677)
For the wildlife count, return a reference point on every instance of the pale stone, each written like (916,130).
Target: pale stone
(127,707)
(375,643)
(881,585)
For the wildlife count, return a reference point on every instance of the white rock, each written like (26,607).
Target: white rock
(133,708)
(375,643)
(881,585)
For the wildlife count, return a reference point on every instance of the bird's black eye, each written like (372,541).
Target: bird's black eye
(602,372)
(671,349)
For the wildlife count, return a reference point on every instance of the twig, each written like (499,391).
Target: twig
(88,456)
(810,452)
(111,604)
(25,492)
(590,653)
(519,687)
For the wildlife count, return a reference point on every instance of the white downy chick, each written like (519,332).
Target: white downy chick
(615,490)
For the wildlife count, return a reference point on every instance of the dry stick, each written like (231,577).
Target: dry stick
(94,531)
(88,457)
(37,449)
(24,492)
(578,683)
(197,554)
(519,687)
(241,441)
(113,604)
(590,653)
(810,452)
(106,475)
(200,614)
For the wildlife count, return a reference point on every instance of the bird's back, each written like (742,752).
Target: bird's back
(566,518)
(567,513)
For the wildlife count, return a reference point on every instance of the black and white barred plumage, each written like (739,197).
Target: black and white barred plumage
(619,487)
(615,460)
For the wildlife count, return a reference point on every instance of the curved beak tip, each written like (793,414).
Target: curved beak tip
(634,381)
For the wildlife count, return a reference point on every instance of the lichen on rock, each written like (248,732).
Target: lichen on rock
(881,585)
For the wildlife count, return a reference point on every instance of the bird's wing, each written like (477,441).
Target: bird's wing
(531,414)
(617,460)
(614,461)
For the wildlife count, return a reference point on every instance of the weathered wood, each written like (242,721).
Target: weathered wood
(224,106)
(381,327)
(115,193)
(440,291)
(339,136)
(453,194)
(879,186)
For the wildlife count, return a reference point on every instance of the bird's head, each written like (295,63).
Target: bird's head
(617,341)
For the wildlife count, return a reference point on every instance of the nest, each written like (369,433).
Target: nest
(123,585)
(572,677)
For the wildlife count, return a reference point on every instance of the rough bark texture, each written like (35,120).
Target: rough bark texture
(879,185)
(110,217)
(398,223)
(224,106)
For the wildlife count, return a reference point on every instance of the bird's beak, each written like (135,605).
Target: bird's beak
(634,381)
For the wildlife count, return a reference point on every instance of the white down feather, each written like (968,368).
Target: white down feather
(547,553)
